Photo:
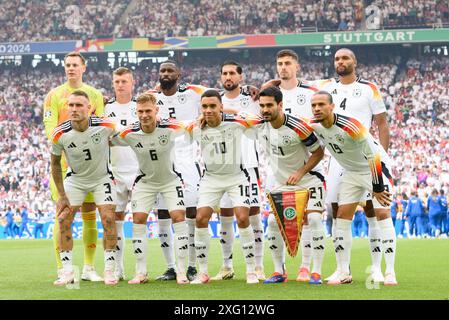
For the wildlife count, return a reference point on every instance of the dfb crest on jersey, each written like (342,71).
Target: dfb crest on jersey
(182,99)
(301,99)
(286,140)
(47,114)
(229,135)
(96,138)
(244,103)
(340,138)
(163,140)
(357,92)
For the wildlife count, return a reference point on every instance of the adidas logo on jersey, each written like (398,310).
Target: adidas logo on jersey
(254,201)
(334,92)
(72,145)
(160,103)
(318,204)
(139,145)
(180,203)
(109,199)
(112,115)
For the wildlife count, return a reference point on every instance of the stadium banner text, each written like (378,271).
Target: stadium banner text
(229,41)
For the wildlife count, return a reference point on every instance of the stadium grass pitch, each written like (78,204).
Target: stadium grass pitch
(27,271)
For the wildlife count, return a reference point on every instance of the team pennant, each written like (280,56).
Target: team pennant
(289,208)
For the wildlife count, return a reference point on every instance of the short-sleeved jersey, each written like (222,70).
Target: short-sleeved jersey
(351,144)
(123,115)
(244,104)
(296,101)
(154,150)
(221,146)
(288,147)
(87,152)
(184,105)
(56,105)
(360,99)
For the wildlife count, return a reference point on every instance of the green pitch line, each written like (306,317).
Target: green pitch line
(28,270)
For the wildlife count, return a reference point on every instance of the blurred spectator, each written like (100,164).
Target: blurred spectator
(39,225)
(24,224)
(9,215)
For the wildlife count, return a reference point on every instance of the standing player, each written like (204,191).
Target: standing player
(296,94)
(181,102)
(294,153)
(122,111)
(55,113)
(220,141)
(153,142)
(85,142)
(238,100)
(360,99)
(366,168)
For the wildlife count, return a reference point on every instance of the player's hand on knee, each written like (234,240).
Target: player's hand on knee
(63,208)
(294,178)
(383,197)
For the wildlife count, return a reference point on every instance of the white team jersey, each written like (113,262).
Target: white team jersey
(123,160)
(351,144)
(87,152)
(289,147)
(245,104)
(360,99)
(153,150)
(184,105)
(221,146)
(296,101)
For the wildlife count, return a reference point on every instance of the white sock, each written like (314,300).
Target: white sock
(256,223)
(120,245)
(276,243)
(248,247)
(140,247)
(110,259)
(191,232)
(202,240)
(227,239)
(181,244)
(344,243)
(66,259)
(374,236)
(306,247)
(388,243)
(318,241)
(334,242)
(166,239)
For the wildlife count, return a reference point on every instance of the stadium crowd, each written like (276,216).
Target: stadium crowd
(59,20)
(415,92)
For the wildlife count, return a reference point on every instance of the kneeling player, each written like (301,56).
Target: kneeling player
(85,142)
(153,142)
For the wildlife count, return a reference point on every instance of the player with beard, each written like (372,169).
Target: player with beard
(237,99)
(361,99)
(182,102)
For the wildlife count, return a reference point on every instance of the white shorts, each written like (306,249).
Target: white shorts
(104,190)
(145,193)
(317,192)
(333,180)
(125,182)
(355,187)
(190,173)
(254,190)
(212,189)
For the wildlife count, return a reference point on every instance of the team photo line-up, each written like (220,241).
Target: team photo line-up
(188,151)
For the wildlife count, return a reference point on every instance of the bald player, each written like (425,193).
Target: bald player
(361,99)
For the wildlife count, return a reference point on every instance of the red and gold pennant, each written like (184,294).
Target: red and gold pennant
(288,208)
